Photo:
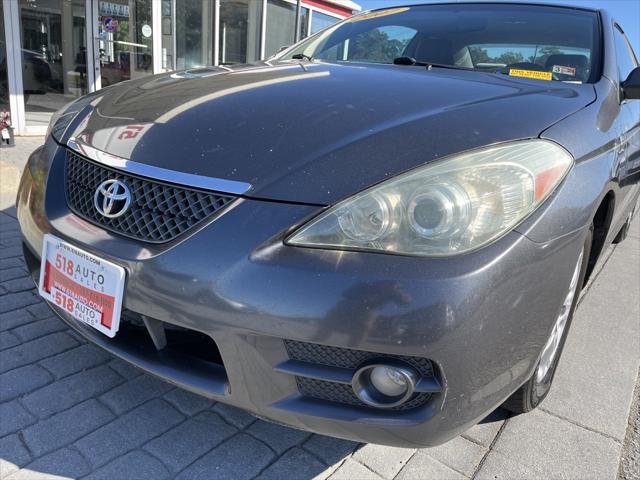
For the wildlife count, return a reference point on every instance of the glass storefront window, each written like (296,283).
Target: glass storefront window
(187,33)
(168,35)
(54,56)
(281,25)
(240,22)
(126,46)
(304,23)
(320,21)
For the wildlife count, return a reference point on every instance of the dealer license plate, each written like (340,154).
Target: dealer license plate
(85,286)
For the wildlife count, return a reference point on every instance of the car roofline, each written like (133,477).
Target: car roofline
(488,2)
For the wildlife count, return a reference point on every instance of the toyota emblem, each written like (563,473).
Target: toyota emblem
(112,198)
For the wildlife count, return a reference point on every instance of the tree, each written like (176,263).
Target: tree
(376,46)
(543,54)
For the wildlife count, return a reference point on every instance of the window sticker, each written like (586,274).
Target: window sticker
(563,70)
(514,72)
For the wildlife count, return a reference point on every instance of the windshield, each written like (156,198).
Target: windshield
(547,43)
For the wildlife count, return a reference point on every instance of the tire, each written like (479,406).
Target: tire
(534,391)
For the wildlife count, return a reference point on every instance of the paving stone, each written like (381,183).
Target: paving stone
(22,380)
(64,463)
(241,457)
(278,437)
(13,418)
(498,467)
(135,465)
(183,444)
(187,402)
(13,455)
(39,328)
(129,431)
(40,310)
(14,301)
(10,252)
(351,470)
(294,464)
(18,285)
(71,390)
(459,454)
(134,393)
(35,350)
(485,432)
(558,448)
(422,467)
(385,461)
(11,239)
(330,450)
(6,263)
(8,340)
(234,415)
(73,361)
(125,369)
(12,274)
(66,427)
(14,319)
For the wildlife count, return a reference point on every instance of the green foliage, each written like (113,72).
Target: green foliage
(481,55)
(376,46)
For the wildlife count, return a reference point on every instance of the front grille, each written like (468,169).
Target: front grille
(325,355)
(158,213)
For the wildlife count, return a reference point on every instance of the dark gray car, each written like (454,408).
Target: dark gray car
(379,234)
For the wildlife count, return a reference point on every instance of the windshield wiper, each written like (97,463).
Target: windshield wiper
(406,61)
(412,61)
(302,56)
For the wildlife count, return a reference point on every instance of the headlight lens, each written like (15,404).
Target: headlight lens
(445,208)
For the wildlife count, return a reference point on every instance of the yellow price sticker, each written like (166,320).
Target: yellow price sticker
(514,72)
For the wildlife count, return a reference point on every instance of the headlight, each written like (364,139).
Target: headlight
(448,207)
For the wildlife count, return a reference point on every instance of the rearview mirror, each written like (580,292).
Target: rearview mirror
(631,86)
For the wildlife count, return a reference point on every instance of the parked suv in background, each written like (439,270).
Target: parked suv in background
(379,234)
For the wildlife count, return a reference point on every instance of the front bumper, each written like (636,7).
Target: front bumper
(481,318)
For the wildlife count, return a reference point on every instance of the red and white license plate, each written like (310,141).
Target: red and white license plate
(87,287)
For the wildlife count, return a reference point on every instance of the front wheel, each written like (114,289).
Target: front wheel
(529,396)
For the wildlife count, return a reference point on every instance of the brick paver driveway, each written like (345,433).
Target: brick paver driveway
(67,409)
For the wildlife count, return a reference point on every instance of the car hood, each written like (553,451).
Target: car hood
(316,133)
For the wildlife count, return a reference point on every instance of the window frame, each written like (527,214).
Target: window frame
(630,51)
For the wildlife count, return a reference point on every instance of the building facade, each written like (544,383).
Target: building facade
(52,51)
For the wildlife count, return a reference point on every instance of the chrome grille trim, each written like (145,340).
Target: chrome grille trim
(189,180)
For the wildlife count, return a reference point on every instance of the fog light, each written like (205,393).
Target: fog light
(384,385)
(389,381)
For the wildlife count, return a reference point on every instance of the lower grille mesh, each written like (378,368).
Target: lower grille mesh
(347,358)
(343,393)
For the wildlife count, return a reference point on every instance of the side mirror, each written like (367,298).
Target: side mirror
(631,86)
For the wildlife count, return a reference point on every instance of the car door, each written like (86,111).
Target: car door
(628,128)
